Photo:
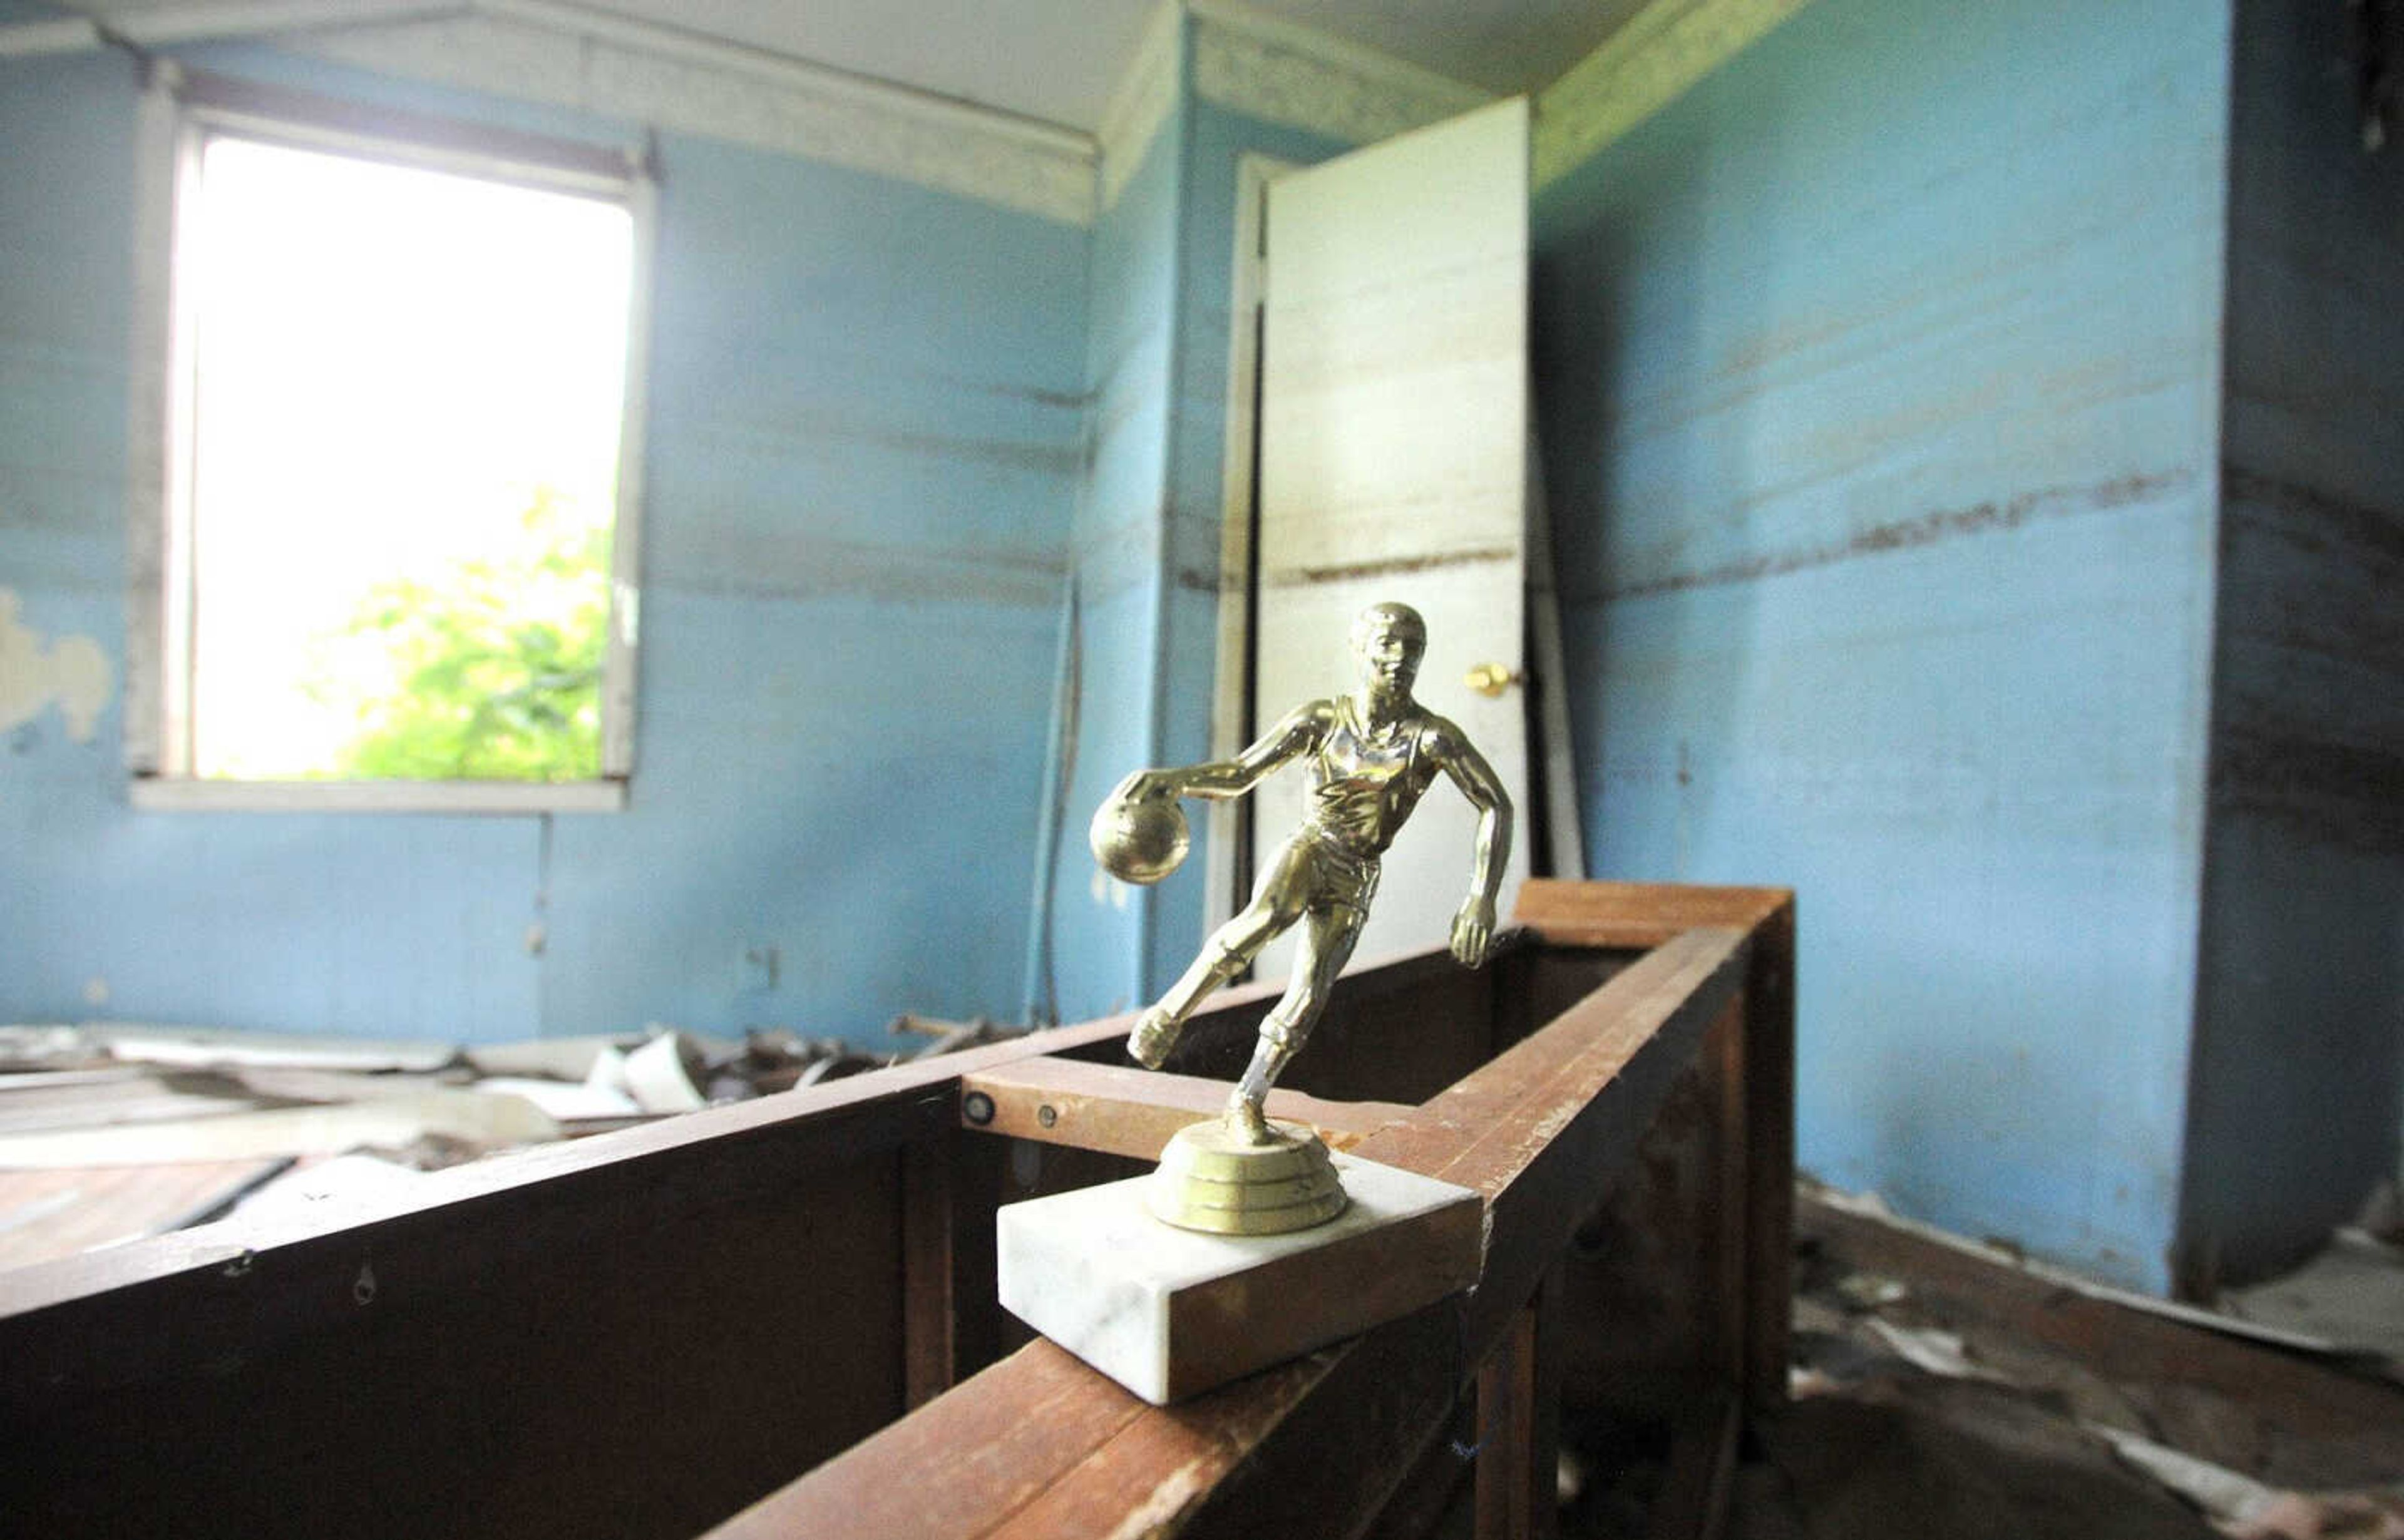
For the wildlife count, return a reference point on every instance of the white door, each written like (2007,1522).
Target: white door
(1394,454)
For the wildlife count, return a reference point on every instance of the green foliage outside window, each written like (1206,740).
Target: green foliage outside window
(494,670)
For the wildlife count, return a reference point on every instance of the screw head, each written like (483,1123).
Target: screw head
(977,1108)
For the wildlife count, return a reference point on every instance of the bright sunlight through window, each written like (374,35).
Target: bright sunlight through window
(401,449)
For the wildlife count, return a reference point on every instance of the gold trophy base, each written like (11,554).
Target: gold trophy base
(1212,1180)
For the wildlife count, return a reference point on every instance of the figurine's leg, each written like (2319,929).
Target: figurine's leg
(1322,948)
(1223,956)
(1275,904)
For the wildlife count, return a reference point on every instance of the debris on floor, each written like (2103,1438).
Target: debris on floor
(2350,1294)
(946,1037)
(1942,1386)
(111,1132)
(45,1214)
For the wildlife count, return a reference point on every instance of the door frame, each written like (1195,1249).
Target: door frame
(1227,864)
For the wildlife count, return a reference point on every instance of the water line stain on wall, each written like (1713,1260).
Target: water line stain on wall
(1923,529)
(70,672)
(1392,566)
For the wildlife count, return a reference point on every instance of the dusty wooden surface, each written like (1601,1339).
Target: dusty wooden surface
(641,1333)
(1133,1111)
(1755,1073)
(1538,1131)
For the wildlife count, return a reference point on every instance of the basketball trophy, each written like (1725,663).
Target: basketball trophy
(1368,756)
(1250,1242)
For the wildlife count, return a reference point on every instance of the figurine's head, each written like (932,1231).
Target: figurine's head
(1389,640)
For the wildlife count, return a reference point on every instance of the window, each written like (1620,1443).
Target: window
(387,529)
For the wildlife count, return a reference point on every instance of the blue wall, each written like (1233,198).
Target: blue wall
(867,416)
(1217,140)
(1879,386)
(1096,927)
(1148,534)
(2300,1051)
(1922,546)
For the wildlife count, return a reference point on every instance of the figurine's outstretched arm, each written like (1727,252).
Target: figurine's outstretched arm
(1473,928)
(1217,779)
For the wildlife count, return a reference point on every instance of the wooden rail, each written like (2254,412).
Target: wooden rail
(783,1311)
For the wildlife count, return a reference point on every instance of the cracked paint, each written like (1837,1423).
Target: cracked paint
(70,672)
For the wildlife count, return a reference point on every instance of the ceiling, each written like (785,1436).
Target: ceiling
(1058,60)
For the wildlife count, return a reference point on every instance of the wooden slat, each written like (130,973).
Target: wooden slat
(1730,1255)
(614,1363)
(1438,1495)
(1617,913)
(1506,1502)
(1541,1130)
(1767,1130)
(1343,1447)
(261,1358)
(1131,1112)
(1483,1130)
(523,1172)
(1693,1502)
(1313,1446)
(721,1295)
(49,1214)
(1400,1029)
(1157,1468)
(1545,1454)
(928,1311)
(960,1465)
(1040,1445)
(1637,914)
(978,1321)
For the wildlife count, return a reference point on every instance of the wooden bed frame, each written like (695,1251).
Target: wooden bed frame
(778,1318)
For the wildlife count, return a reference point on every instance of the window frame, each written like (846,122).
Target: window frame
(180,111)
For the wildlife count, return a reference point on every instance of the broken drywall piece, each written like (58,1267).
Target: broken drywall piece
(1939,1352)
(49,1049)
(568,1100)
(552,1057)
(70,672)
(470,1117)
(39,1102)
(1871,1291)
(200,1048)
(660,1075)
(2243,1509)
(288,1082)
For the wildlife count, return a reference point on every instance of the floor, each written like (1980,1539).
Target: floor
(1940,1389)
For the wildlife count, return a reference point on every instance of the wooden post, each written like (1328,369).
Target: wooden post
(1732,1313)
(929,1364)
(1506,1402)
(1519,1425)
(1768,1155)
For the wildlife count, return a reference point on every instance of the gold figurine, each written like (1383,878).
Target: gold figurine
(1369,756)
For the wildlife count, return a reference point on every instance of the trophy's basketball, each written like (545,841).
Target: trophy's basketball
(1140,840)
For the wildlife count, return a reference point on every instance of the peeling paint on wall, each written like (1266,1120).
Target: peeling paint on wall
(70,672)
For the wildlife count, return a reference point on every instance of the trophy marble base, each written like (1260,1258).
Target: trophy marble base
(1171,1313)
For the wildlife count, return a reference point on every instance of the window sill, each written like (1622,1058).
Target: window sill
(180,794)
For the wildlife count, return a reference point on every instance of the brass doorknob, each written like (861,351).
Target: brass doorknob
(1491,678)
